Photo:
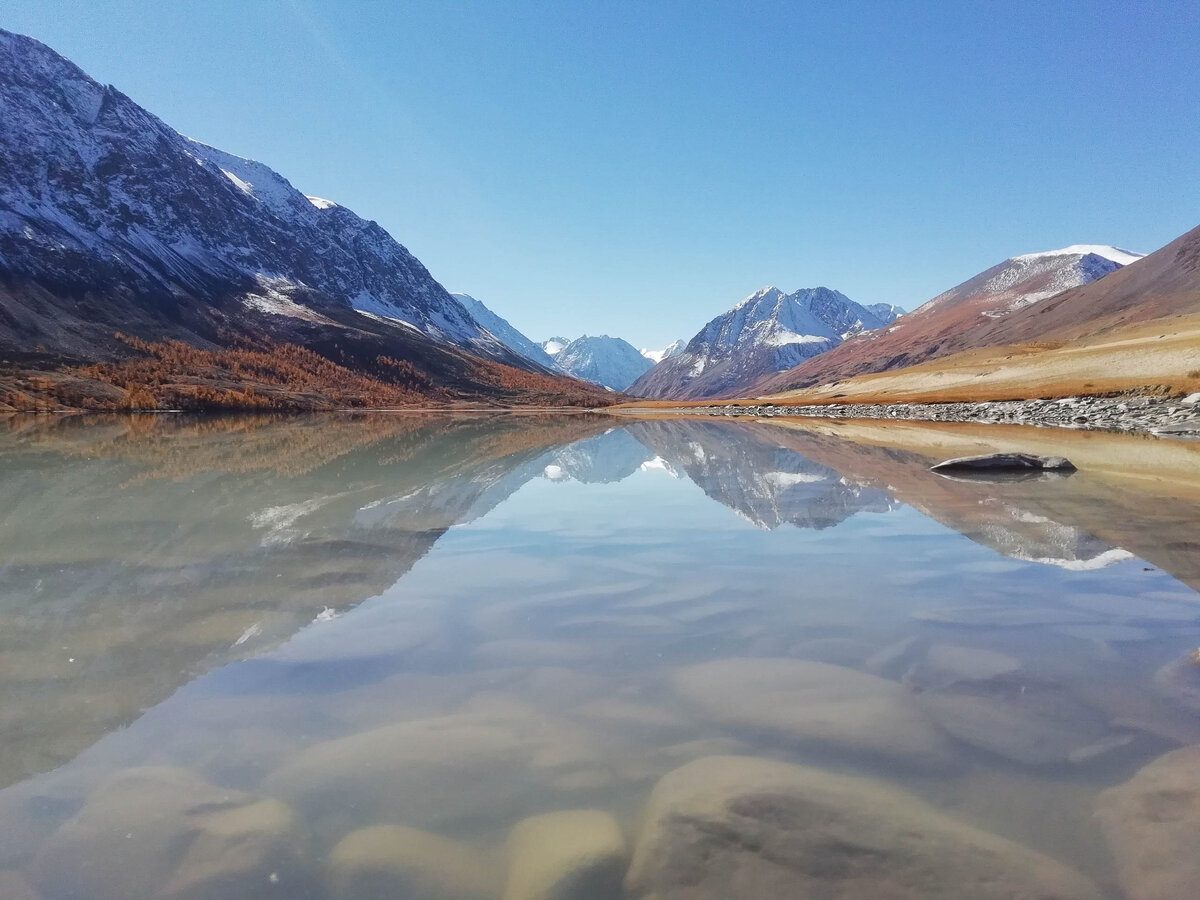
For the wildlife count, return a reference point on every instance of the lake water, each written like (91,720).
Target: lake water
(451,656)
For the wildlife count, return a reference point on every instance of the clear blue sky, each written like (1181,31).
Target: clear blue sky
(636,168)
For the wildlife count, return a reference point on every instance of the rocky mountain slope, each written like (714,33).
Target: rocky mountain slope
(111,221)
(505,332)
(954,320)
(607,361)
(767,332)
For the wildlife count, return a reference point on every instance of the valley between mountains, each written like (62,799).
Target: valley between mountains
(141,269)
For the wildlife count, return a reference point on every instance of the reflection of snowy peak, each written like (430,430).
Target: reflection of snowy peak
(1035,538)
(603,360)
(602,459)
(767,332)
(506,333)
(765,485)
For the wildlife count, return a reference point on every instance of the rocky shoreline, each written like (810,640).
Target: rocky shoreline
(1177,417)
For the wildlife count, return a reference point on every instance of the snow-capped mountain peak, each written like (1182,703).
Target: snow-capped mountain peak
(603,360)
(555,345)
(1106,251)
(767,332)
(672,349)
(1030,278)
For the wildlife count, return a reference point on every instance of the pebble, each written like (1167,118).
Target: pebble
(1177,416)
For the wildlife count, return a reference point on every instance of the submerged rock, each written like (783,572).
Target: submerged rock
(816,703)
(419,770)
(1152,823)
(569,855)
(14,887)
(1005,462)
(988,616)
(1180,679)
(1037,728)
(728,826)
(923,665)
(165,832)
(398,862)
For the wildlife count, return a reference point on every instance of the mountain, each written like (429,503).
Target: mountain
(509,336)
(111,221)
(767,332)
(603,360)
(555,345)
(887,313)
(954,320)
(657,356)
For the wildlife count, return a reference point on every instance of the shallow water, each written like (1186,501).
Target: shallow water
(454,623)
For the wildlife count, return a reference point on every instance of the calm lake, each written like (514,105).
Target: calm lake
(579,656)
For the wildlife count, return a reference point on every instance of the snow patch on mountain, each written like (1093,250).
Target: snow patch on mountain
(555,345)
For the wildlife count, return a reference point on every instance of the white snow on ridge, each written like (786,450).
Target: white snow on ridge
(318,202)
(657,356)
(244,186)
(1115,254)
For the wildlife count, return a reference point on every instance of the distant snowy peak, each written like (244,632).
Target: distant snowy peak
(502,330)
(555,345)
(769,317)
(1113,254)
(607,361)
(887,313)
(767,332)
(672,349)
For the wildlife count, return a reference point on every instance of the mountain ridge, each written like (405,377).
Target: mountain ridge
(504,331)
(766,332)
(112,222)
(944,324)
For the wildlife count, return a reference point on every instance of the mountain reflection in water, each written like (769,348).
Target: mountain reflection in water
(568,623)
